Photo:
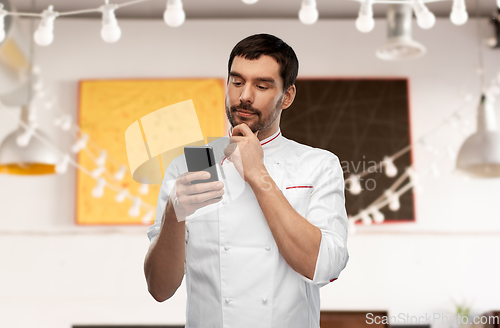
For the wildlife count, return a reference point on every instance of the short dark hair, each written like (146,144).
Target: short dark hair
(254,46)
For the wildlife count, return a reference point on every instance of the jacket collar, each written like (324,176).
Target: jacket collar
(269,143)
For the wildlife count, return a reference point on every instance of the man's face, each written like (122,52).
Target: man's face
(255,94)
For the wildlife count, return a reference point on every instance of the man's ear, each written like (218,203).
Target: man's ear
(289,97)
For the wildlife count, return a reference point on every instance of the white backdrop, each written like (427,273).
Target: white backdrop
(53,274)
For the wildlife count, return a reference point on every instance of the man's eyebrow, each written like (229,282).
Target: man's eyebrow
(262,79)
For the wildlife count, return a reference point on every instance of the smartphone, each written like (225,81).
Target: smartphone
(201,159)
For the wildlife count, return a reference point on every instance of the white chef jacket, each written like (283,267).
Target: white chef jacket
(235,274)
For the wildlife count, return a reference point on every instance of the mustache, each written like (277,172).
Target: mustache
(245,107)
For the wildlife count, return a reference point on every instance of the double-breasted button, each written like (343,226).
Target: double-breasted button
(268,248)
(226,248)
(224,201)
(227,300)
(264,300)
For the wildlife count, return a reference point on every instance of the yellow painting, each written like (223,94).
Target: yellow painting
(107,109)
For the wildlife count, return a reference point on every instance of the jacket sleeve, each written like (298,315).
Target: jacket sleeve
(327,211)
(166,185)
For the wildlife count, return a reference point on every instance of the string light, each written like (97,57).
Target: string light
(355,186)
(390,169)
(148,217)
(120,197)
(425,19)
(3,13)
(393,200)
(98,190)
(144,189)
(249,2)
(365,218)
(308,13)
(98,172)
(24,139)
(414,179)
(365,22)
(80,143)
(459,14)
(378,217)
(120,174)
(135,210)
(174,15)
(110,31)
(62,166)
(44,35)
(101,160)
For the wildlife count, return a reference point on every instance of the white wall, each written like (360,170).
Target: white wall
(53,274)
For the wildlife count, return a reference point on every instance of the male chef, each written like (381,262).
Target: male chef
(258,258)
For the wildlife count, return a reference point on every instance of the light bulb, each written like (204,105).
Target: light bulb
(110,31)
(120,197)
(308,13)
(425,19)
(365,22)
(354,184)
(66,124)
(44,35)
(97,172)
(135,210)
(378,217)
(414,179)
(459,16)
(101,160)
(393,200)
(98,190)
(3,13)
(80,144)
(174,15)
(144,189)
(390,169)
(62,166)
(249,2)
(120,174)
(146,219)
(365,218)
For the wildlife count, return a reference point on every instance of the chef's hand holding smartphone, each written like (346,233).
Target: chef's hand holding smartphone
(200,186)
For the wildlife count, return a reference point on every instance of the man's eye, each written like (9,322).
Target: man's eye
(237,83)
(260,87)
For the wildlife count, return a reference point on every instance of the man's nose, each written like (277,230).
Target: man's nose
(247,94)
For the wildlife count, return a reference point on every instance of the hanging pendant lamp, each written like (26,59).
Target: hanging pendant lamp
(34,158)
(479,156)
(399,45)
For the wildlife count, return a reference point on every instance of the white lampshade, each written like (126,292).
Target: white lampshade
(479,155)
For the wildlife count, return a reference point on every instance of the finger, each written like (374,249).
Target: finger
(208,202)
(204,187)
(230,149)
(242,129)
(203,197)
(191,176)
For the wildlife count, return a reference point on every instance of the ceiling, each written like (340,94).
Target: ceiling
(227,9)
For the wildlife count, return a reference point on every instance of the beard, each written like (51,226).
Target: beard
(260,123)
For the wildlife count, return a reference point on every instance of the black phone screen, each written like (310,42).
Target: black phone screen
(201,159)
